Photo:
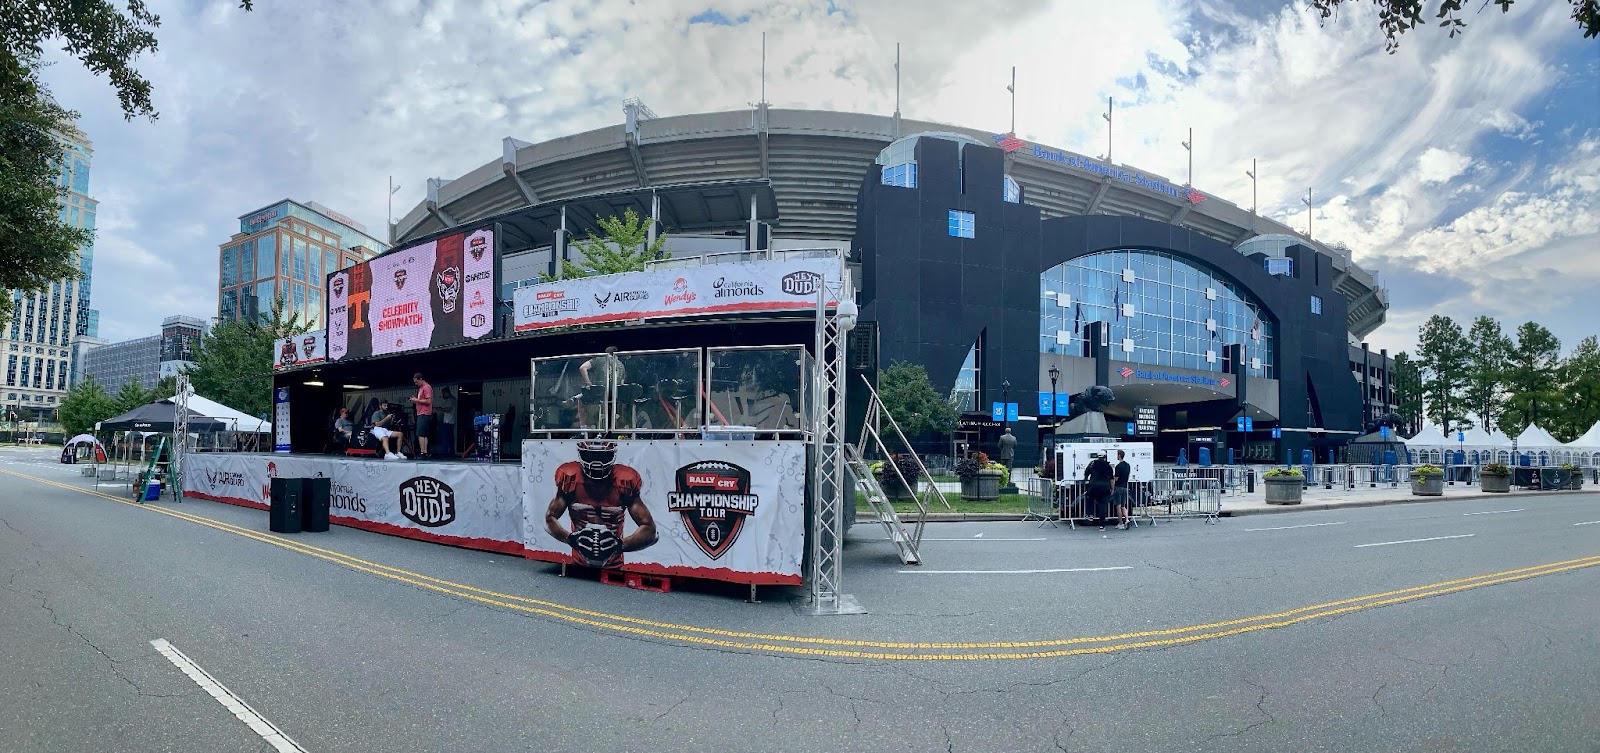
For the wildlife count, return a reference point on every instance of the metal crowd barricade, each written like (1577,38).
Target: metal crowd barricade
(1040,500)
(1174,498)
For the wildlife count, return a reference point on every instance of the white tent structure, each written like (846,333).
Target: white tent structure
(1538,447)
(1430,446)
(1428,437)
(1585,450)
(237,421)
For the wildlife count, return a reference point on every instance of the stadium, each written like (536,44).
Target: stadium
(1016,273)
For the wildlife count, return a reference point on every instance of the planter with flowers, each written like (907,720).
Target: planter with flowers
(1495,478)
(1427,481)
(1285,486)
(980,478)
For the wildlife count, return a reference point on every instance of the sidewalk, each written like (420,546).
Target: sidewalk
(1315,498)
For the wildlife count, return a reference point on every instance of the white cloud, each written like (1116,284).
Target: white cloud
(323,101)
(1441,165)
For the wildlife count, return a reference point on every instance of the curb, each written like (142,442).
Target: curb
(986,517)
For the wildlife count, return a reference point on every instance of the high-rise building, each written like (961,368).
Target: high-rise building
(283,252)
(146,360)
(38,341)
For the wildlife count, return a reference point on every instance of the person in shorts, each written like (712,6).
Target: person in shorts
(1100,476)
(1119,488)
(424,402)
(382,420)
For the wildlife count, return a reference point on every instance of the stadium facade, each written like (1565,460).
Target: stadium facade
(994,262)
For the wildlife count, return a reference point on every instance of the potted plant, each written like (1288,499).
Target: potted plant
(980,478)
(1285,486)
(891,482)
(1574,476)
(1427,481)
(1495,478)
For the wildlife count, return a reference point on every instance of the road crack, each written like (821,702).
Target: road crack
(1261,701)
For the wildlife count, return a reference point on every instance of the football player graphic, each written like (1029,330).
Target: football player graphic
(595,493)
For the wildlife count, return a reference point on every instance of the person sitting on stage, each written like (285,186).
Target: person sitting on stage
(344,431)
(381,421)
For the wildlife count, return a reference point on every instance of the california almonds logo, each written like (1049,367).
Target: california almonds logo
(428,502)
(735,288)
(714,499)
(680,293)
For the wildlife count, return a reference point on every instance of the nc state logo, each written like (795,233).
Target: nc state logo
(478,246)
(449,284)
(338,286)
(309,345)
(400,278)
(713,497)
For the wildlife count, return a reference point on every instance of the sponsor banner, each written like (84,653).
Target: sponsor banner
(735,287)
(280,420)
(730,511)
(429,295)
(300,350)
(1074,458)
(463,504)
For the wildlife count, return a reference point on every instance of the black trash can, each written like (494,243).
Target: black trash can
(288,499)
(318,494)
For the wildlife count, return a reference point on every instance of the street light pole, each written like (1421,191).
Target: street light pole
(1252,173)
(1188,146)
(1005,405)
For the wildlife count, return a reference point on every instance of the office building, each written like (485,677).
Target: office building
(38,341)
(283,252)
(147,360)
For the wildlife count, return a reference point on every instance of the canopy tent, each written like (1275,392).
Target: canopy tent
(235,419)
(1500,439)
(159,416)
(1590,439)
(1429,437)
(1534,437)
(81,438)
(1477,437)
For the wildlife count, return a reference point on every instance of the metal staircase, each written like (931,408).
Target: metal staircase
(906,541)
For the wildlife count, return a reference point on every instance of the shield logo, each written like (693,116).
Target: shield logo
(479,245)
(338,286)
(713,497)
(400,278)
(309,345)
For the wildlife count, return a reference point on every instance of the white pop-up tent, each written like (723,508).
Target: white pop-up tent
(1429,437)
(1536,438)
(235,420)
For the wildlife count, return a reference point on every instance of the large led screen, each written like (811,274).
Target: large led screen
(429,295)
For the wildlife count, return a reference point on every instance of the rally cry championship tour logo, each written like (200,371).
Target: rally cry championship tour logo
(714,499)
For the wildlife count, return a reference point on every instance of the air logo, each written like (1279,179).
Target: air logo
(428,502)
(215,479)
(713,497)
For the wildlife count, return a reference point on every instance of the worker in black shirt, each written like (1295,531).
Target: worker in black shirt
(1100,476)
(1119,489)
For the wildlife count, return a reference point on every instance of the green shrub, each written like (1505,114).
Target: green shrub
(1496,469)
(1427,471)
(1285,473)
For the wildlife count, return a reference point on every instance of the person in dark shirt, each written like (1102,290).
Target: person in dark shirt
(1100,476)
(1119,488)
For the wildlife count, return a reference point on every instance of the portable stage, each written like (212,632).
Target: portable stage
(669,422)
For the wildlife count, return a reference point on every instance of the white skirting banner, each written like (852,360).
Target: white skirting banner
(729,511)
(478,506)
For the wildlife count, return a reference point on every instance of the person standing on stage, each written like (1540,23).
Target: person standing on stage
(424,403)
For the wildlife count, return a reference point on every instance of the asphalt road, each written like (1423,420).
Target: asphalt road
(1243,635)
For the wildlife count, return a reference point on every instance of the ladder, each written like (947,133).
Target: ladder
(149,473)
(906,541)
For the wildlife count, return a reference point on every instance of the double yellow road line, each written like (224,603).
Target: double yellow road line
(819,647)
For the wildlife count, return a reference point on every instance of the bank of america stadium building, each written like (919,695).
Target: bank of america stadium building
(1014,272)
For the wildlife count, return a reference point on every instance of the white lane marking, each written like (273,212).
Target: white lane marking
(1285,528)
(1015,572)
(975,539)
(257,723)
(1413,541)
(1590,523)
(1495,512)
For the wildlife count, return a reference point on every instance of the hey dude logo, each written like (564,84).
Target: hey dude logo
(428,502)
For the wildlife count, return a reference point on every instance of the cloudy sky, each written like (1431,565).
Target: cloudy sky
(1465,172)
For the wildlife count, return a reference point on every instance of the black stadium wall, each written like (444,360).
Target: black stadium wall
(933,295)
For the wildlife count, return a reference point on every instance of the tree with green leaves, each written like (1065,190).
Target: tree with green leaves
(1531,378)
(1407,382)
(234,360)
(1445,357)
(908,395)
(625,247)
(1486,369)
(1396,17)
(36,247)
(85,405)
(1580,391)
(131,395)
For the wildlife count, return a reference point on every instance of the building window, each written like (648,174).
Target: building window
(1012,192)
(965,392)
(962,224)
(1280,266)
(904,176)
(1316,305)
